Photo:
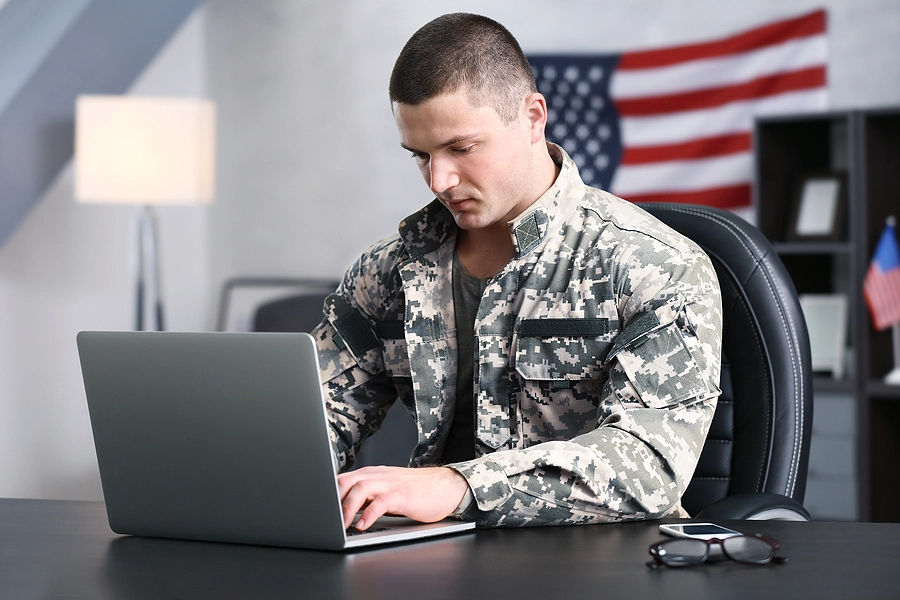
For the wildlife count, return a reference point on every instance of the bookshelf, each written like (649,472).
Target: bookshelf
(855,454)
(878,162)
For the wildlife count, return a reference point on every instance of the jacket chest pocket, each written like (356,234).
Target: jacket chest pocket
(562,349)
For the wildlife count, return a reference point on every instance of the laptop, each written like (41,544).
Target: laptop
(220,437)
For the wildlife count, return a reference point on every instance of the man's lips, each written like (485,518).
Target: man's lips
(457,203)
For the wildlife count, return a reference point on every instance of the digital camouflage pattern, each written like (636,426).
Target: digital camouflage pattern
(598,357)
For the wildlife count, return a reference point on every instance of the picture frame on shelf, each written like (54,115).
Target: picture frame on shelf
(827,320)
(818,207)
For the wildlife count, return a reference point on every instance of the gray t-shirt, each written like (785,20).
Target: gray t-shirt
(467,294)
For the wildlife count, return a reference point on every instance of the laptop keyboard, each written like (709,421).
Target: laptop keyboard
(354,531)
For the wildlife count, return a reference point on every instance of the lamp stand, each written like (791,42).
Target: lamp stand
(147,269)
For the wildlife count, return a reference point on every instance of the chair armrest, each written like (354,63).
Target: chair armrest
(755,507)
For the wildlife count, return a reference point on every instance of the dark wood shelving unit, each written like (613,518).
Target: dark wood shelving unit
(878,162)
(863,147)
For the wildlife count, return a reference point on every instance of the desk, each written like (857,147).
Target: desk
(56,549)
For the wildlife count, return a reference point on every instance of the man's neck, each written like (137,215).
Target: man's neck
(483,252)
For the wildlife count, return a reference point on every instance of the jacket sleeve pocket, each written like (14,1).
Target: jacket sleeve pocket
(655,359)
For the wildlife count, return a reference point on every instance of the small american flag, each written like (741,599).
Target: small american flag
(675,124)
(881,287)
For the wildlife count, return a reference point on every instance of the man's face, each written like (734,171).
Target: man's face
(476,165)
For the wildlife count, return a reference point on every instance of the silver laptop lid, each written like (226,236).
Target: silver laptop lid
(212,436)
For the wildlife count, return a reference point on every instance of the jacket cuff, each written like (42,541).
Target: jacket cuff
(488,483)
(464,505)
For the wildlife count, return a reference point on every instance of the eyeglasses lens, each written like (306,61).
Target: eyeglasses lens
(748,549)
(682,553)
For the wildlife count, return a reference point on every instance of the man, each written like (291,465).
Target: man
(557,346)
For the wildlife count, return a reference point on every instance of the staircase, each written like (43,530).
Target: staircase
(51,52)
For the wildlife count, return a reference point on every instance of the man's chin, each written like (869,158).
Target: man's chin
(467,221)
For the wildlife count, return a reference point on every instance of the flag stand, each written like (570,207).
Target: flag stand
(893,378)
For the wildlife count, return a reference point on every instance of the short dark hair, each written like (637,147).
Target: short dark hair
(464,50)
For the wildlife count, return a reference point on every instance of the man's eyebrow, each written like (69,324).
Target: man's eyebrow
(450,142)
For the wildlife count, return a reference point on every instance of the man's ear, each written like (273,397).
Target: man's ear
(535,106)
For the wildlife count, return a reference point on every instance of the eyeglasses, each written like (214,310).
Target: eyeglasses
(678,553)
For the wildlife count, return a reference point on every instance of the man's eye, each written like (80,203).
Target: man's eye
(464,150)
(420,156)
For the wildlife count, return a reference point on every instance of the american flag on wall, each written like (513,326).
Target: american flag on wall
(675,124)
(881,287)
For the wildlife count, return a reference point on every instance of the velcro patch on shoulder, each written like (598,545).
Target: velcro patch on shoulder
(352,326)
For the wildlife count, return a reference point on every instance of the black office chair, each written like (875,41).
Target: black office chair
(754,463)
(302,312)
(272,303)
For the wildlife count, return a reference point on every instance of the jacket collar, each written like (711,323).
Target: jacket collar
(429,228)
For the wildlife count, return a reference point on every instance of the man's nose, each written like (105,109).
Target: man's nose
(442,175)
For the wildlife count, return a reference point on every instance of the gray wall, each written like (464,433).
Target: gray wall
(65,269)
(301,87)
(310,173)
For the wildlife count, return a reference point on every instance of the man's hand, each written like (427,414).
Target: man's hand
(426,494)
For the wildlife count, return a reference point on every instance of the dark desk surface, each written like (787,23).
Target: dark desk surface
(59,549)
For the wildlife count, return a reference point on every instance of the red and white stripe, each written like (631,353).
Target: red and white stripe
(686,113)
(882,293)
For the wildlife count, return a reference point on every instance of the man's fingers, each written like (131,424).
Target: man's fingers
(373,511)
(355,497)
(365,490)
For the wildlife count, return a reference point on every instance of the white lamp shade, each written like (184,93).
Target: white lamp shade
(140,150)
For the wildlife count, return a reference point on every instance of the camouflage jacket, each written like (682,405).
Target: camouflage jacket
(598,357)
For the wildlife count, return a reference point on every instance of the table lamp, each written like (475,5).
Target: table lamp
(145,151)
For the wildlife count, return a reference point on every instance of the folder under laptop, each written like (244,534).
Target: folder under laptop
(220,437)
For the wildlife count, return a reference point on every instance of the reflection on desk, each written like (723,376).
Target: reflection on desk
(65,549)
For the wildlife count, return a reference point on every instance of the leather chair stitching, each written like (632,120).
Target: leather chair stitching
(788,325)
(747,243)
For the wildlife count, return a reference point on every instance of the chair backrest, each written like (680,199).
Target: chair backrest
(272,303)
(759,439)
(302,312)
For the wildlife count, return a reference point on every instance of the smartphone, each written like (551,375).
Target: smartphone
(699,531)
